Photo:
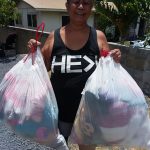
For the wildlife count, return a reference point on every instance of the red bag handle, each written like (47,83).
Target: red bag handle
(37,38)
(104,53)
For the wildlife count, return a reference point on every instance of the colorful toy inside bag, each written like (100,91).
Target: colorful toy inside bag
(27,101)
(113,110)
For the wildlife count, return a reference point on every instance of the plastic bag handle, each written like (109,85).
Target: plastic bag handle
(37,38)
(38,35)
(104,53)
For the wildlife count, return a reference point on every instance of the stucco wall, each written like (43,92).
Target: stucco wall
(25,9)
(23,36)
(137,62)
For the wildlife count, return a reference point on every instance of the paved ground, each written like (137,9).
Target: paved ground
(8,139)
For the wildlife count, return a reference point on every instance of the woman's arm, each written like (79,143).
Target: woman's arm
(103,45)
(102,41)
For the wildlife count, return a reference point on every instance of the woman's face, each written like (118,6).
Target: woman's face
(79,10)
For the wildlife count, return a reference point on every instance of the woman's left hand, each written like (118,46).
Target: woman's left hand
(116,54)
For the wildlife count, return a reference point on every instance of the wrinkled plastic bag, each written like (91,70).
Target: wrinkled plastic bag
(27,101)
(113,110)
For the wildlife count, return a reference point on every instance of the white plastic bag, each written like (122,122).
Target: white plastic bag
(113,110)
(27,101)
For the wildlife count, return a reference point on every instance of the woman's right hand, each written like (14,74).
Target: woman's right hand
(33,43)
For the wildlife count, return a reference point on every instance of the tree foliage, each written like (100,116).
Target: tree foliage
(143,8)
(16,1)
(7,11)
(123,12)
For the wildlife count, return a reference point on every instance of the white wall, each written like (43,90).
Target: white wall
(24,9)
(52,20)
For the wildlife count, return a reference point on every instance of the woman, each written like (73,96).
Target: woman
(71,53)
